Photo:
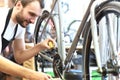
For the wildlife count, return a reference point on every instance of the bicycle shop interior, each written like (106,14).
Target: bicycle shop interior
(69,13)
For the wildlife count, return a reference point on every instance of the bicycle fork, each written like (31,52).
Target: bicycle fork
(115,69)
(94,35)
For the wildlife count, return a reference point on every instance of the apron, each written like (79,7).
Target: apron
(5,42)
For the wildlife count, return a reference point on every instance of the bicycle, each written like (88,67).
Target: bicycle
(107,62)
(46,27)
(93,35)
(94,15)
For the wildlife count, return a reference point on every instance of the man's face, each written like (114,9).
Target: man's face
(28,14)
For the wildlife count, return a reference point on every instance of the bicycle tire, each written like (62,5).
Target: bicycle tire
(102,11)
(41,32)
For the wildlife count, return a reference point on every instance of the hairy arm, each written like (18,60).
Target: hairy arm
(14,69)
(21,54)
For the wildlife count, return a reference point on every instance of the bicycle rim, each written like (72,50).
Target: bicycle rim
(44,29)
(110,9)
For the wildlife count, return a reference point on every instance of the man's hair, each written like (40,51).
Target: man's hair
(26,2)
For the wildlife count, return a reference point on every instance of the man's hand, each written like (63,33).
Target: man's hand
(40,76)
(47,44)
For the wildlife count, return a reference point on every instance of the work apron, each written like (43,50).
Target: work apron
(5,42)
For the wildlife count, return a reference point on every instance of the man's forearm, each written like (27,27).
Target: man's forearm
(14,69)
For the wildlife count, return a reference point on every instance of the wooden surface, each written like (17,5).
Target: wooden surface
(29,63)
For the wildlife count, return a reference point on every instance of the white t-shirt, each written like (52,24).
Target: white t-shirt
(9,33)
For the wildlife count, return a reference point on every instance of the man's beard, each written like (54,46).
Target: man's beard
(21,20)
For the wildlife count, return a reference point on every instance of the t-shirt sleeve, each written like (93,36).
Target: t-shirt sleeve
(20,32)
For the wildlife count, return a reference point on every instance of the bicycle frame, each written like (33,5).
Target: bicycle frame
(59,30)
(94,35)
(79,32)
(90,12)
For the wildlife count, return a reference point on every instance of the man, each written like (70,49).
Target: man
(12,28)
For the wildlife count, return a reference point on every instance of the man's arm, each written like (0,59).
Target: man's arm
(14,69)
(21,54)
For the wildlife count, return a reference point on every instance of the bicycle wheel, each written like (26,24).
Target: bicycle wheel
(45,28)
(106,15)
(71,31)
